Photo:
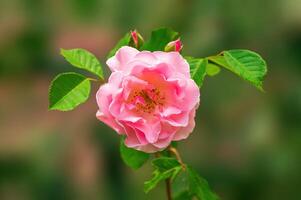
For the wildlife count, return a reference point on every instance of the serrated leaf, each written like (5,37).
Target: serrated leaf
(199,186)
(164,168)
(197,69)
(124,41)
(83,59)
(131,157)
(212,69)
(68,90)
(246,64)
(159,39)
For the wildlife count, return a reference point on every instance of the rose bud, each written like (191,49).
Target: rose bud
(136,39)
(175,45)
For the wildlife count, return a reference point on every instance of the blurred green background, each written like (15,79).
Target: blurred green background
(247,144)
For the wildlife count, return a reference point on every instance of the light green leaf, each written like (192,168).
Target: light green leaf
(246,64)
(219,60)
(133,158)
(212,69)
(165,167)
(83,59)
(199,186)
(159,39)
(124,41)
(68,90)
(197,69)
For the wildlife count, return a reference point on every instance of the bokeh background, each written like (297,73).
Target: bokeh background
(247,144)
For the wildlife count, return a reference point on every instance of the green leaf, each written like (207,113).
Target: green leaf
(199,186)
(219,60)
(124,41)
(83,59)
(159,39)
(212,69)
(165,163)
(184,195)
(68,90)
(246,64)
(180,187)
(165,167)
(133,158)
(197,69)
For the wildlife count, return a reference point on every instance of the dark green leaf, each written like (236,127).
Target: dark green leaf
(164,168)
(174,143)
(165,163)
(159,39)
(124,41)
(199,186)
(68,90)
(197,69)
(184,195)
(180,187)
(83,59)
(133,158)
(246,64)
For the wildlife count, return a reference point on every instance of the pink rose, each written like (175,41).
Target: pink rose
(149,97)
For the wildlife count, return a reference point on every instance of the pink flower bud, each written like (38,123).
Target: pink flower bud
(136,39)
(175,45)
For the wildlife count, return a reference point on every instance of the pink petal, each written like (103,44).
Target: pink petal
(178,120)
(188,94)
(184,132)
(146,57)
(104,98)
(151,129)
(131,139)
(170,110)
(175,60)
(110,122)
(121,58)
(161,69)
(149,148)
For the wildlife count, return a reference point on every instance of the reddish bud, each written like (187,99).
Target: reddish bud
(175,45)
(136,39)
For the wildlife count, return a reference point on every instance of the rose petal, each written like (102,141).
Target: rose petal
(121,58)
(175,60)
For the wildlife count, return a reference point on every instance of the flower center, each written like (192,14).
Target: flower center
(147,101)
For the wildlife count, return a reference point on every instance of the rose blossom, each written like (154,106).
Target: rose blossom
(150,98)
